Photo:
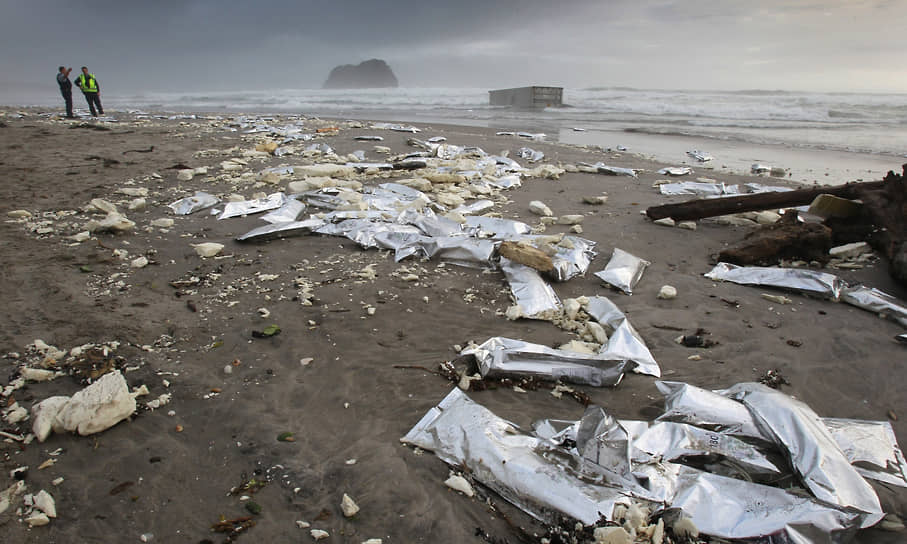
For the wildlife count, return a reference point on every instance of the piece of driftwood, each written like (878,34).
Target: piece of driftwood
(526,254)
(783,240)
(711,207)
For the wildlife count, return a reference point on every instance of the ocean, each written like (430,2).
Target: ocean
(816,137)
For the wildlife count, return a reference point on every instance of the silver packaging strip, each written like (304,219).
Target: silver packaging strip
(687,403)
(676,441)
(463,433)
(676,171)
(602,168)
(504,357)
(430,223)
(536,298)
(288,212)
(199,201)
(813,453)
(572,258)
(460,250)
(871,447)
(497,228)
(281,230)
(873,300)
(698,188)
(807,281)
(363,231)
(735,509)
(247,207)
(476,207)
(624,342)
(623,270)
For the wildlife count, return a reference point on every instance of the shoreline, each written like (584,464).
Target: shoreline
(805,165)
(353,371)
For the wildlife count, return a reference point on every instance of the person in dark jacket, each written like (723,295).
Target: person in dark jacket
(92,91)
(65,89)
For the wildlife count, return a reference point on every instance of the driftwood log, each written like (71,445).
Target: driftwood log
(882,223)
(711,207)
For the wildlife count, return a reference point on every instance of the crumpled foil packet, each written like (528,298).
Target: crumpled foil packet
(815,456)
(624,342)
(247,207)
(873,300)
(534,296)
(583,468)
(199,201)
(496,453)
(807,281)
(499,357)
(623,270)
(288,212)
(602,168)
(281,230)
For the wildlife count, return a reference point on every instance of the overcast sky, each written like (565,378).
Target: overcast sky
(217,45)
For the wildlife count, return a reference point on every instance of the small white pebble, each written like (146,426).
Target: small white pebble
(318,534)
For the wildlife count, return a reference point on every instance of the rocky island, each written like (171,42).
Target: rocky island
(374,73)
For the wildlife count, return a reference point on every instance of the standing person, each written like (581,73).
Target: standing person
(92,91)
(66,89)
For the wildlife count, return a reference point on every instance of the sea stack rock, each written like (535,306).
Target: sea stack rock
(373,73)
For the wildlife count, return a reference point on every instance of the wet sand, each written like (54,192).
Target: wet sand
(331,376)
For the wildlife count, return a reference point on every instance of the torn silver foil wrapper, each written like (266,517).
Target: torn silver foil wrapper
(873,300)
(530,154)
(676,441)
(687,403)
(513,464)
(698,188)
(476,207)
(676,171)
(281,230)
(731,508)
(535,297)
(288,212)
(806,281)
(461,250)
(507,182)
(497,228)
(601,439)
(818,460)
(624,342)
(199,201)
(429,223)
(501,357)
(602,168)
(871,447)
(248,207)
(363,231)
(572,258)
(623,270)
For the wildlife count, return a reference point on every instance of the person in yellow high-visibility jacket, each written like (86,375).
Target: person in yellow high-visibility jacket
(92,91)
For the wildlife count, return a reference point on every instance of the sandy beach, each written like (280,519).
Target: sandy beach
(352,369)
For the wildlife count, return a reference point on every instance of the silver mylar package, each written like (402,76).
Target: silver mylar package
(675,441)
(281,230)
(602,168)
(199,201)
(873,300)
(687,403)
(730,508)
(363,231)
(572,258)
(871,447)
(818,460)
(808,281)
(676,171)
(698,188)
(500,357)
(600,438)
(497,454)
(460,250)
(533,294)
(430,223)
(288,212)
(624,342)
(479,206)
(247,207)
(497,228)
(623,270)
